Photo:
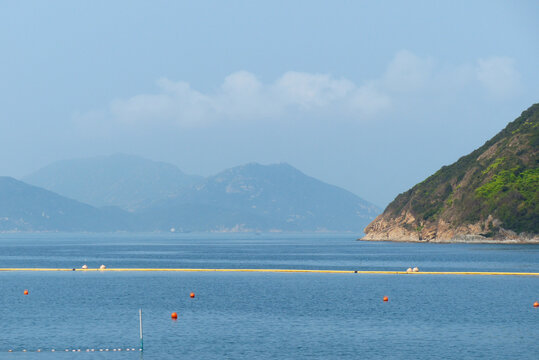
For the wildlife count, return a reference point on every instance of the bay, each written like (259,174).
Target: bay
(265,315)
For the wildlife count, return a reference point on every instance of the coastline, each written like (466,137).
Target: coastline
(534,241)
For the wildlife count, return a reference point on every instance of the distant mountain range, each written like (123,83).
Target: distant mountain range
(254,196)
(128,193)
(126,181)
(489,194)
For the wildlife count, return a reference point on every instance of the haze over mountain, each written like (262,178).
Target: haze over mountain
(263,197)
(121,180)
(25,207)
(251,197)
(492,193)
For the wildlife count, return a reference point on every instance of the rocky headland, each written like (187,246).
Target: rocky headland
(490,195)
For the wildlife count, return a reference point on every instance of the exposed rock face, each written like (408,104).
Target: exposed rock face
(490,195)
(398,229)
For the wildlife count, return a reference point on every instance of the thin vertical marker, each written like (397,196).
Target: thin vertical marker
(141,338)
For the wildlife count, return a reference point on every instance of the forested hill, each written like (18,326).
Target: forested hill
(492,193)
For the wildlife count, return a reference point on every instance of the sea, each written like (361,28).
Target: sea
(264,315)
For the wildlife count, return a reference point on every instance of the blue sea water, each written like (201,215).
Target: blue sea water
(265,315)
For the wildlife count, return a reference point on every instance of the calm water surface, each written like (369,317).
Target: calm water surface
(265,315)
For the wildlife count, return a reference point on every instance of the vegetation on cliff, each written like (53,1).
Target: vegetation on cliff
(496,186)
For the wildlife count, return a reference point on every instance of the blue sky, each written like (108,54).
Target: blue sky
(370,96)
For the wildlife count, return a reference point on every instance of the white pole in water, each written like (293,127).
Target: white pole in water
(141,338)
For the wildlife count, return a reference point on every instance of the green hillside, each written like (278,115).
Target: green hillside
(495,187)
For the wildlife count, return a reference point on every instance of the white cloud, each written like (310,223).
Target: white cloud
(311,90)
(498,75)
(407,72)
(177,101)
(243,97)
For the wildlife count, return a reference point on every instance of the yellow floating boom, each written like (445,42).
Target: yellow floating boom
(292,271)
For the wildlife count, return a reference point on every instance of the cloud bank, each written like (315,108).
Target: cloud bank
(243,97)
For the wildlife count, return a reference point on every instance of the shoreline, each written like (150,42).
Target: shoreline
(460,241)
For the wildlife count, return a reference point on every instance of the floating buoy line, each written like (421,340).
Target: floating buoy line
(72,350)
(76,350)
(386,272)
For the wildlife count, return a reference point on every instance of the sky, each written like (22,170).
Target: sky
(371,96)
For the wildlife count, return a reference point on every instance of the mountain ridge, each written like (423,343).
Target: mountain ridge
(269,197)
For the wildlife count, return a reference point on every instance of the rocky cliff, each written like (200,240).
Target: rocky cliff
(491,194)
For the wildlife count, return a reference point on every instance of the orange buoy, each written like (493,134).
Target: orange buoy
(536,304)
(174,315)
(192,295)
(386,298)
(25,292)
